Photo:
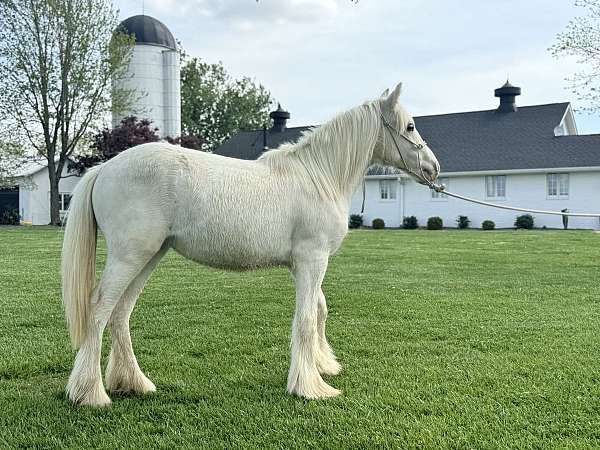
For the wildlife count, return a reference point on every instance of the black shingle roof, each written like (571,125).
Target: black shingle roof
(473,141)
(250,144)
(489,140)
(148,30)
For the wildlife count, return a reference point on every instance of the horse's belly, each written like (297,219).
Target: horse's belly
(243,250)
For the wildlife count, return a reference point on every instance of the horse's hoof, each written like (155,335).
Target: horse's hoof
(330,368)
(326,392)
(96,398)
(87,392)
(148,387)
(102,402)
(138,384)
(318,390)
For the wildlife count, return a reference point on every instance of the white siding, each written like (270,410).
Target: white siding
(522,190)
(388,210)
(34,196)
(25,205)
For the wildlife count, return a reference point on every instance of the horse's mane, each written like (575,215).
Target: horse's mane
(333,156)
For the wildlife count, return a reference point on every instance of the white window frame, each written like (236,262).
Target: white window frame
(391,190)
(61,201)
(440,196)
(495,187)
(559,179)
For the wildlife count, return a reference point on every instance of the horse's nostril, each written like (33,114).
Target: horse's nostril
(429,173)
(433,171)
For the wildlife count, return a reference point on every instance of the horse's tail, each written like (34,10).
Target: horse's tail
(79,258)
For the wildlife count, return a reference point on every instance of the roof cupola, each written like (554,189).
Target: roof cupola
(280,118)
(507,94)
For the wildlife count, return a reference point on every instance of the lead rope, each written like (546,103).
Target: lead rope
(442,189)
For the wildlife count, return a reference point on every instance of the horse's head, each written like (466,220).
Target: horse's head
(400,144)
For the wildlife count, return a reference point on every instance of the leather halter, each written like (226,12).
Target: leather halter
(416,146)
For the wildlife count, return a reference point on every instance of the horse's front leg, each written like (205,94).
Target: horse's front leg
(304,378)
(326,361)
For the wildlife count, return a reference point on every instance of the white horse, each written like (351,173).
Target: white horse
(289,208)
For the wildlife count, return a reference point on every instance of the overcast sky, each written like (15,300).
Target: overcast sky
(320,57)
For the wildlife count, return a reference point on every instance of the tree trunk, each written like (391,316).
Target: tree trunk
(54,198)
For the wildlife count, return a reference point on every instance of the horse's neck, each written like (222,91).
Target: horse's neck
(343,150)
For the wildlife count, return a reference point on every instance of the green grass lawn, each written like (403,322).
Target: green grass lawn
(451,339)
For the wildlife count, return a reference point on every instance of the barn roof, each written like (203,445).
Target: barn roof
(251,144)
(492,140)
(472,141)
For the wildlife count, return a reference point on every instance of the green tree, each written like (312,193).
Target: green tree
(57,59)
(215,106)
(11,158)
(582,40)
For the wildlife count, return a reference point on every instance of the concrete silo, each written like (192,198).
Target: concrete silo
(153,73)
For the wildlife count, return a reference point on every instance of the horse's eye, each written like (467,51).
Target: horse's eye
(410,127)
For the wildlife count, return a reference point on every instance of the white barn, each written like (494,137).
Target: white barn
(34,192)
(530,157)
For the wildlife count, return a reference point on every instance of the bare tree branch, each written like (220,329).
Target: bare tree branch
(581,39)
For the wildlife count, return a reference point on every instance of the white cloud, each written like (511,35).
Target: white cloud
(280,12)
(249,15)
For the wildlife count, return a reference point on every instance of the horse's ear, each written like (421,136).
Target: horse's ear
(385,93)
(394,96)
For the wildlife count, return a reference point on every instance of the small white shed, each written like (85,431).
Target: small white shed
(34,192)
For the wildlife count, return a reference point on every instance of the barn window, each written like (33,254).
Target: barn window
(440,195)
(64,201)
(387,189)
(557,185)
(495,186)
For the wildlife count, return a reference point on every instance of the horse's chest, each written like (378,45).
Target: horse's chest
(337,237)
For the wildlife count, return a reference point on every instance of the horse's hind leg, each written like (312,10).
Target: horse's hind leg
(123,374)
(326,361)
(85,383)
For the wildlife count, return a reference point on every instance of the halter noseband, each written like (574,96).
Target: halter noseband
(416,146)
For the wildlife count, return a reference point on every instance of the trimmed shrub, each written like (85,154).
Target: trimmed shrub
(488,225)
(10,217)
(463,222)
(410,223)
(435,223)
(525,221)
(356,221)
(378,224)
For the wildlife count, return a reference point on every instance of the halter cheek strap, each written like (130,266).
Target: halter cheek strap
(417,146)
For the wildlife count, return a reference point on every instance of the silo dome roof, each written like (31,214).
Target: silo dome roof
(148,30)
